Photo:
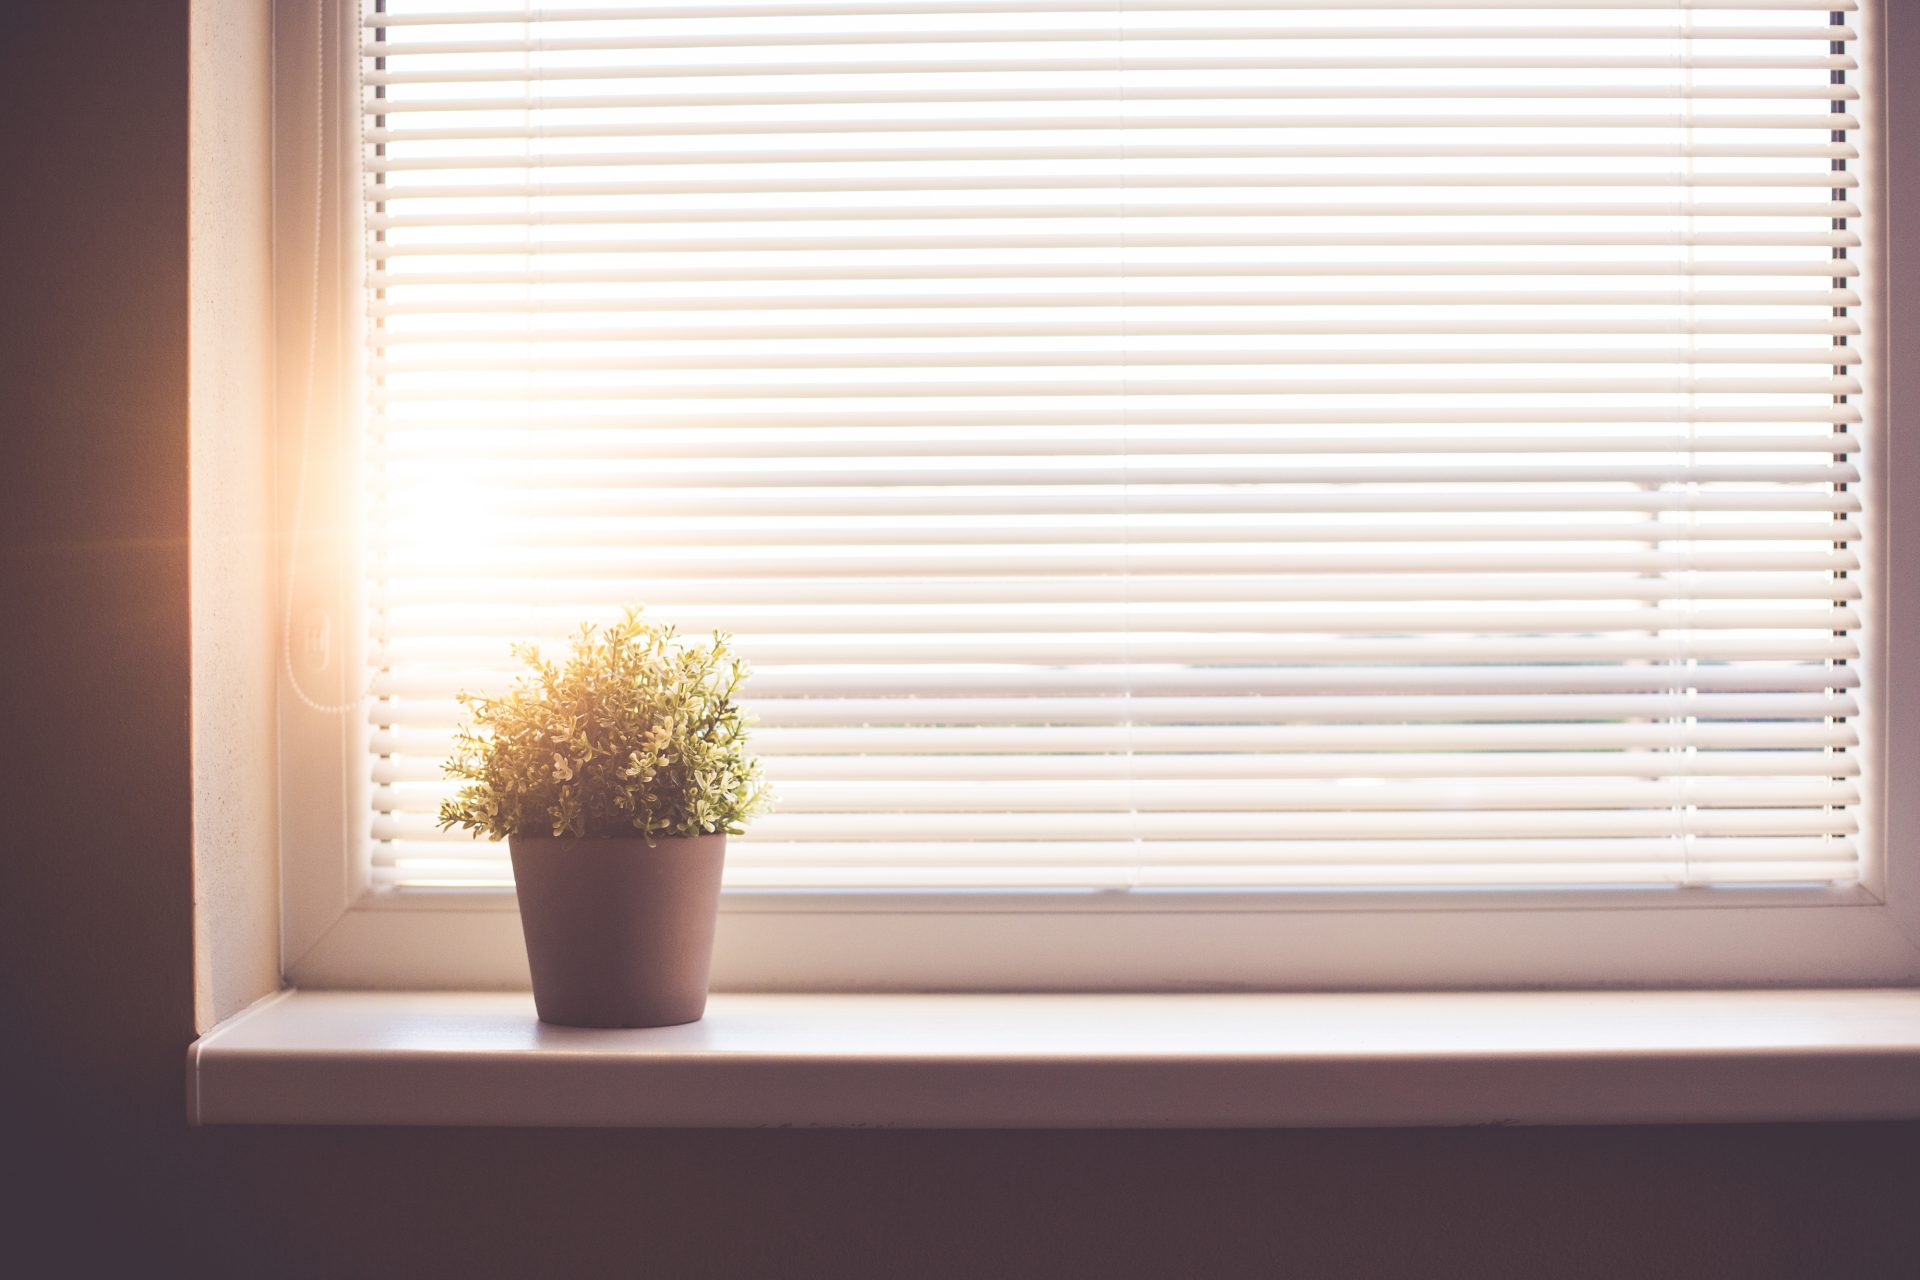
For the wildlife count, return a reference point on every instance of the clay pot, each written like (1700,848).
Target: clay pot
(619,933)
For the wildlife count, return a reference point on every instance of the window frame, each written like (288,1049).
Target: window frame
(338,930)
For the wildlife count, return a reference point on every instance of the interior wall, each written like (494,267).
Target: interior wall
(97,918)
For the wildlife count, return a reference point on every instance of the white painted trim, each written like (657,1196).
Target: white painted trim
(1058,1061)
(340,933)
(235,629)
(322,834)
(1069,945)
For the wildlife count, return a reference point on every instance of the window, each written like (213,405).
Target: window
(1269,468)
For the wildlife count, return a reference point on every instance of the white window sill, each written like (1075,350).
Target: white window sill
(1073,1061)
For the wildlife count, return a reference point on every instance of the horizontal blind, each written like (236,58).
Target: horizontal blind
(1262,444)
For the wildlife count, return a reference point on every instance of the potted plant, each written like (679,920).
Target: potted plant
(615,779)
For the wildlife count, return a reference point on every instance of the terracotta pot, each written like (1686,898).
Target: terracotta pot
(619,934)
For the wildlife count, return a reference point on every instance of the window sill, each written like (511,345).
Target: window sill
(1072,1061)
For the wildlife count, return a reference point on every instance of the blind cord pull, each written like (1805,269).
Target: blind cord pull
(302,459)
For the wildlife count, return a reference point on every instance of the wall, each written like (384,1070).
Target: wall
(95,923)
(96,928)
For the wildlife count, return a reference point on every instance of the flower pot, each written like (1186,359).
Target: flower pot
(619,933)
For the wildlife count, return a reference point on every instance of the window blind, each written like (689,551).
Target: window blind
(1259,444)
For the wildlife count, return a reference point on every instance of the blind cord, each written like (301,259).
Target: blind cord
(302,459)
(1126,470)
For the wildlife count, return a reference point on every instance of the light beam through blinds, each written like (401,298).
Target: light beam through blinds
(1248,444)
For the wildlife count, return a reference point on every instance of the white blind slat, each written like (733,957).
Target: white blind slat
(1560,61)
(395,16)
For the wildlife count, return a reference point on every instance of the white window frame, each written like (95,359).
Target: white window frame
(339,931)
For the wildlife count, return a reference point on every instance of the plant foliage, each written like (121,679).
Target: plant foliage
(637,732)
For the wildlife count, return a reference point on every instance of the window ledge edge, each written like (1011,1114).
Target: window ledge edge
(1072,1061)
